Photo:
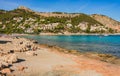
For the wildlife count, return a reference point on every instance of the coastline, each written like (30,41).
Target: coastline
(71,62)
(94,55)
(67,34)
(79,34)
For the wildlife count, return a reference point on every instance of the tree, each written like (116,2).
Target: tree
(111,30)
(37,31)
(88,29)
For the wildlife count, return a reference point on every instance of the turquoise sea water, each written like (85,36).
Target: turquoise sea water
(84,43)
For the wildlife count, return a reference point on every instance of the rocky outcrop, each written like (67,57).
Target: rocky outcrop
(25,8)
(107,21)
(5,63)
(9,53)
(6,70)
(10,58)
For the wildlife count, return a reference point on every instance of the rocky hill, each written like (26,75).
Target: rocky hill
(25,20)
(107,21)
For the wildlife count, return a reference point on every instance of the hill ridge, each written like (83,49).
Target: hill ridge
(25,20)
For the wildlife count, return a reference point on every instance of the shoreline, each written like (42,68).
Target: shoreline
(67,34)
(56,34)
(68,48)
(61,61)
(55,46)
(103,56)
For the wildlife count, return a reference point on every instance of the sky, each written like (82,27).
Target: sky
(110,8)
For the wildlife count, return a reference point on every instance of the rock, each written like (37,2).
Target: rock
(1,65)
(11,51)
(4,53)
(18,50)
(6,71)
(34,48)
(21,42)
(31,53)
(65,51)
(10,58)
(13,58)
(25,8)
(21,68)
(35,42)
(1,54)
(4,64)
(73,51)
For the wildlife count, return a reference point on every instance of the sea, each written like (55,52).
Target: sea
(83,43)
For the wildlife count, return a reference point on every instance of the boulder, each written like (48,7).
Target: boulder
(31,53)
(6,71)
(35,42)
(11,51)
(21,68)
(10,58)
(4,64)
(13,58)
(21,42)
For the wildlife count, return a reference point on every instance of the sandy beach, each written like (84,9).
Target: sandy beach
(23,57)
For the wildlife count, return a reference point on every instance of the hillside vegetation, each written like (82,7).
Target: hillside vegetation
(24,20)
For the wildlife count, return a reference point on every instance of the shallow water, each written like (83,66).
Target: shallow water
(84,43)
